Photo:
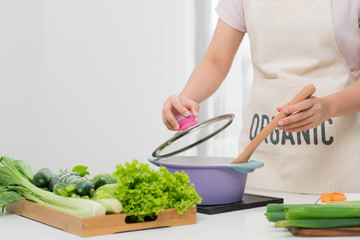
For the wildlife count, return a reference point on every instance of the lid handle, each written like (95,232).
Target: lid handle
(186,122)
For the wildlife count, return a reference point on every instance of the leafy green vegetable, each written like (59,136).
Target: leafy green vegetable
(7,197)
(144,191)
(24,168)
(107,191)
(82,170)
(13,178)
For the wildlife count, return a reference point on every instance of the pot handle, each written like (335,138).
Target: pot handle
(246,167)
(154,161)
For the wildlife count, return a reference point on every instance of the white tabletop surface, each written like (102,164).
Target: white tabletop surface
(243,224)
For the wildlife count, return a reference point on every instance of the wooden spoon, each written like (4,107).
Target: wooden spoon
(305,93)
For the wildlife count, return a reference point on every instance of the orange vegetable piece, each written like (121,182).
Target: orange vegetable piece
(331,197)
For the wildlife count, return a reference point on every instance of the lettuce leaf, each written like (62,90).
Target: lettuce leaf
(144,191)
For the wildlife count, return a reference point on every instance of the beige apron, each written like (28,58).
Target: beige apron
(292,44)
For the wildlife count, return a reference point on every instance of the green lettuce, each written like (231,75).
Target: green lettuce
(144,191)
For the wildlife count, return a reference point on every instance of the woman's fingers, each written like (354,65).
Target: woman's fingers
(301,106)
(303,115)
(170,121)
(175,106)
(301,128)
(178,105)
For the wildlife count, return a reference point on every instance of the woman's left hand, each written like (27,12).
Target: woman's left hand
(304,115)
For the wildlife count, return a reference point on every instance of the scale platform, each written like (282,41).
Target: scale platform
(248,201)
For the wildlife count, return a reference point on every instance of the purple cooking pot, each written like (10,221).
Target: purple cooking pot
(215,179)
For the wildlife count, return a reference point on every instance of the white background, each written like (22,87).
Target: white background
(83,82)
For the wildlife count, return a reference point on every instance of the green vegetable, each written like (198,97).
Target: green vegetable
(144,191)
(83,186)
(43,177)
(107,191)
(24,168)
(81,170)
(343,203)
(64,189)
(275,216)
(15,177)
(112,205)
(103,179)
(61,178)
(331,215)
(276,212)
(7,197)
(108,178)
(320,223)
(100,182)
(310,212)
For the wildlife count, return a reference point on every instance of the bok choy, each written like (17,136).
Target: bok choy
(15,183)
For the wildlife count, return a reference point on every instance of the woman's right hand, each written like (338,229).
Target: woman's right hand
(175,106)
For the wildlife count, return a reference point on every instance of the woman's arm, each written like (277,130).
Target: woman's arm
(313,111)
(207,76)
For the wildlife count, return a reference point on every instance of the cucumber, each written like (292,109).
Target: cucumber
(100,182)
(84,188)
(42,178)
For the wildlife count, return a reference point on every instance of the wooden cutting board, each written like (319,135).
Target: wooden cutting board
(94,226)
(325,232)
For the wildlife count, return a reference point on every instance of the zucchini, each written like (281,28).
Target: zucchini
(100,182)
(84,188)
(42,178)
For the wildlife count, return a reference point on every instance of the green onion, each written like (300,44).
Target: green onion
(336,211)
(275,216)
(319,223)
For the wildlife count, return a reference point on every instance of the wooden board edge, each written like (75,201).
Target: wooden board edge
(324,232)
(100,225)
(115,223)
(47,215)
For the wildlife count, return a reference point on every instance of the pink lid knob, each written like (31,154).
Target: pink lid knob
(186,122)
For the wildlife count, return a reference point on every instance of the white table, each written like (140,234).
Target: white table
(243,224)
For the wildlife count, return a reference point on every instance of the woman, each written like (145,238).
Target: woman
(317,147)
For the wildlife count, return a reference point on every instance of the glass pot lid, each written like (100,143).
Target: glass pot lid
(192,136)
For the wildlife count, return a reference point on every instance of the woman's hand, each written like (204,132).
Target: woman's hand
(175,106)
(304,115)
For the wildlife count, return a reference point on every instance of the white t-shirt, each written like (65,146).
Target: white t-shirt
(346,21)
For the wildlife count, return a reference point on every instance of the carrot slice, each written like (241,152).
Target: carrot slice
(335,196)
